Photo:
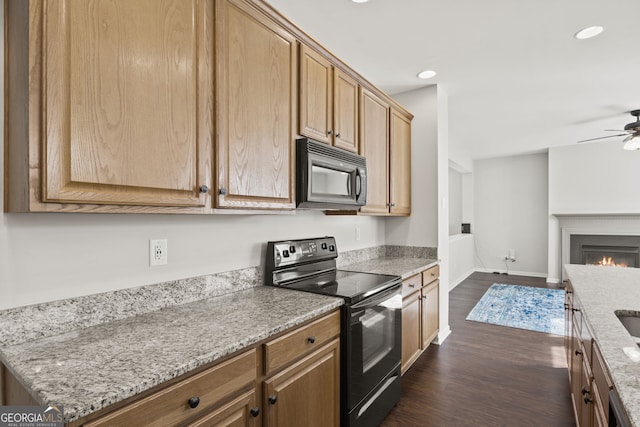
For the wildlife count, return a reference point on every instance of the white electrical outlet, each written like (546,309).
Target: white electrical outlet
(157,252)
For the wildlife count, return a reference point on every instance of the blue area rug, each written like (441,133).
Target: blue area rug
(524,307)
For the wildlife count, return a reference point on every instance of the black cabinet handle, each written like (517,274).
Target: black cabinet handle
(254,412)
(588,400)
(329,132)
(194,402)
(578,352)
(585,391)
(273,399)
(338,135)
(412,286)
(311,339)
(575,309)
(566,306)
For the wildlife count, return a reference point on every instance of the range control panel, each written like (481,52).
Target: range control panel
(290,252)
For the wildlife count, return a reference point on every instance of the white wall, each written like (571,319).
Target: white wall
(597,181)
(455,201)
(421,228)
(428,224)
(510,212)
(45,257)
(595,178)
(461,258)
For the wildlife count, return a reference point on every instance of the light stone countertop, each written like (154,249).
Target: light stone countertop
(601,291)
(404,267)
(91,368)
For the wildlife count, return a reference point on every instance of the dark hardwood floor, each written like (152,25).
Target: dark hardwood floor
(486,375)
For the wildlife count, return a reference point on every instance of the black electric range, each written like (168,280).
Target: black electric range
(371,322)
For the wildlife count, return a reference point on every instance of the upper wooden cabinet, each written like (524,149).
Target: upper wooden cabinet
(256,79)
(400,164)
(385,140)
(182,106)
(374,143)
(108,103)
(328,101)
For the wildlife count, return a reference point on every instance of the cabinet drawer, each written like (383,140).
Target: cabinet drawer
(431,274)
(170,406)
(411,285)
(295,344)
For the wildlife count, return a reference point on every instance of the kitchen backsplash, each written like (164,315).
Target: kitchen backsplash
(31,322)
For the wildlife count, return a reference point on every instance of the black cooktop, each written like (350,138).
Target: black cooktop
(353,286)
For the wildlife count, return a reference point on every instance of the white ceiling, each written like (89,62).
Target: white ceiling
(517,79)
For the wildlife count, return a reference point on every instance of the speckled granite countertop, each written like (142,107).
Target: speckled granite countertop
(91,368)
(397,266)
(602,291)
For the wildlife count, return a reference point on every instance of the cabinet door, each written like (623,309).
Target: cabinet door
(411,339)
(242,411)
(316,96)
(307,393)
(127,113)
(400,167)
(256,98)
(430,310)
(374,144)
(345,115)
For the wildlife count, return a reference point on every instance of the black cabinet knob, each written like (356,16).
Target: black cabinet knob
(204,189)
(585,391)
(588,400)
(578,352)
(273,399)
(222,191)
(338,135)
(566,306)
(194,402)
(575,309)
(330,132)
(254,412)
(311,339)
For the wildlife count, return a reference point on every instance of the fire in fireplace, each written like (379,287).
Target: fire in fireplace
(605,250)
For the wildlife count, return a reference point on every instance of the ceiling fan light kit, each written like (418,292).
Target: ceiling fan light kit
(631,133)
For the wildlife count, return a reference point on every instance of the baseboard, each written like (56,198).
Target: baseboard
(511,272)
(461,279)
(442,335)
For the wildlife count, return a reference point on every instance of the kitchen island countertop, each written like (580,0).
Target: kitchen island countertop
(601,291)
(91,368)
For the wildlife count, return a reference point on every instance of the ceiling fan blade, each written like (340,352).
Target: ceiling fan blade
(615,130)
(602,137)
(629,138)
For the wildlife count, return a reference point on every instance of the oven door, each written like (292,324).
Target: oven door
(373,342)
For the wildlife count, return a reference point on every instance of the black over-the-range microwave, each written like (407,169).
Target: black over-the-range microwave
(328,177)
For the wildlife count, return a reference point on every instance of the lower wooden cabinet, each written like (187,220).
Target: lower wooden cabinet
(411,339)
(588,376)
(291,379)
(307,393)
(430,311)
(420,311)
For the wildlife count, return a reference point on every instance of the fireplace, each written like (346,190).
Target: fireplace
(605,250)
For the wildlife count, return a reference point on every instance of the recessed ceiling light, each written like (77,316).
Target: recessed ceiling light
(359,1)
(426,74)
(587,33)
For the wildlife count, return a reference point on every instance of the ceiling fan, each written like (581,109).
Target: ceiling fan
(631,131)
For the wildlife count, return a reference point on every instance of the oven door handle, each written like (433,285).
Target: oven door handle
(376,299)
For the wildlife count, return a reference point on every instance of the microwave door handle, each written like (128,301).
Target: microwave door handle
(358,183)
(349,184)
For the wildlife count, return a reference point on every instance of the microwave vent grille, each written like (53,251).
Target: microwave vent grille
(336,153)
